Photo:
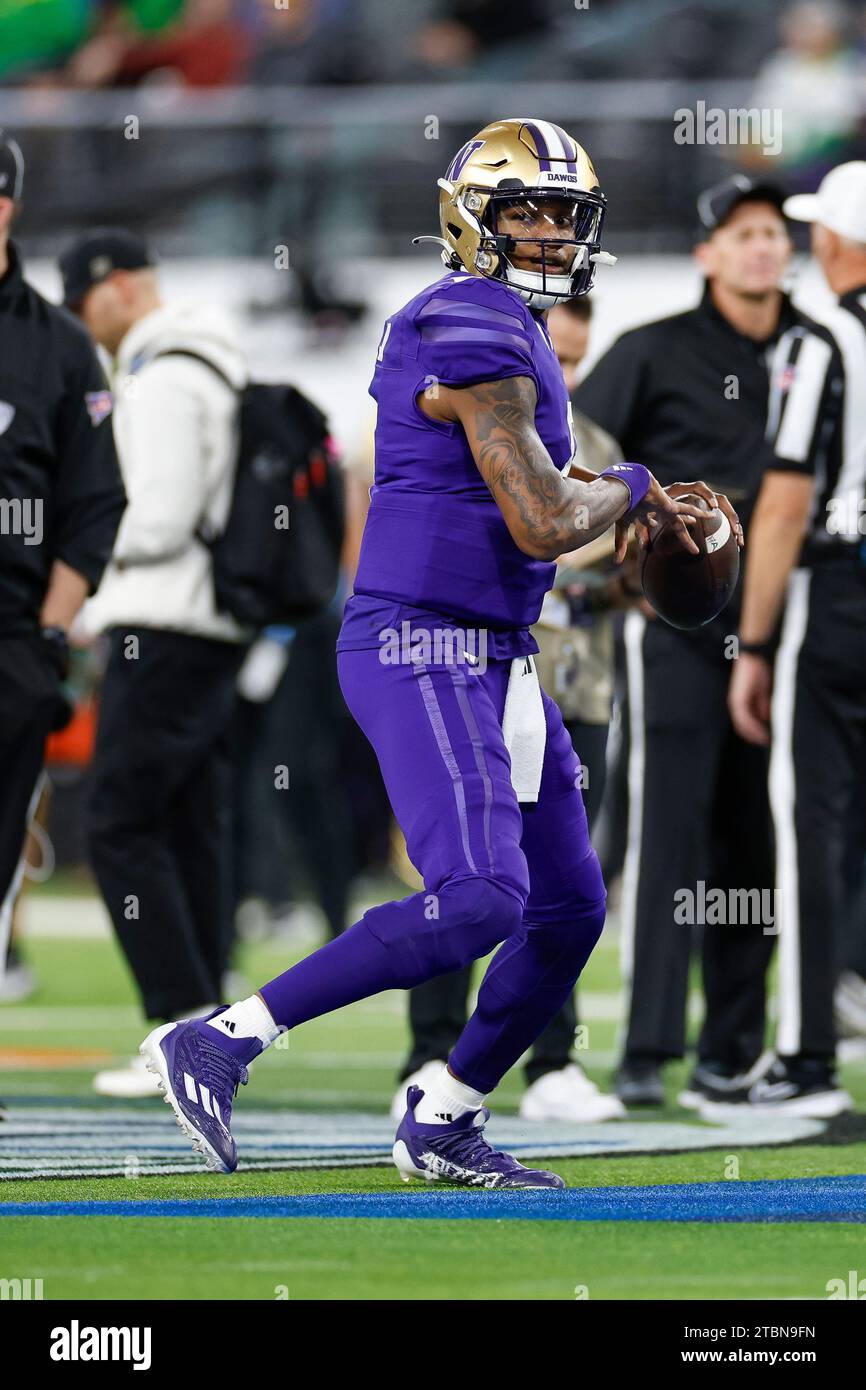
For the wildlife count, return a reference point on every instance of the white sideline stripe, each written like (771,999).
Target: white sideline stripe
(65,1016)
(189,1087)
(79,918)
(600,1006)
(783,794)
(66,916)
(84,918)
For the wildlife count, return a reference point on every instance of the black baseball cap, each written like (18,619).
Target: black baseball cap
(92,257)
(716,204)
(11,168)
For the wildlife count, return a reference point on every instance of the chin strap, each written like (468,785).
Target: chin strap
(603,258)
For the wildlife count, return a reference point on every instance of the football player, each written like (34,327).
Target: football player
(472,503)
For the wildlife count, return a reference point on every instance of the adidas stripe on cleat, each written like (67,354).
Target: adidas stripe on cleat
(199,1079)
(459,1153)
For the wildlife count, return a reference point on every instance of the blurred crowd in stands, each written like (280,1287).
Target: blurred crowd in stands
(798,49)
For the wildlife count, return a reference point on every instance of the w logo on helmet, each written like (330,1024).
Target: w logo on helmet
(458,163)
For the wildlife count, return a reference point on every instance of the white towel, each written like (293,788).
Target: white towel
(524,728)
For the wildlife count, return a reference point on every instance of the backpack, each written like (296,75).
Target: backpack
(277,559)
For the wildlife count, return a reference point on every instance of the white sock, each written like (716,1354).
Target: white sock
(249,1018)
(195,1013)
(446,1100)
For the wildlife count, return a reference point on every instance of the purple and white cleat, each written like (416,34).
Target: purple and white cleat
(459,1153)
(199,1079)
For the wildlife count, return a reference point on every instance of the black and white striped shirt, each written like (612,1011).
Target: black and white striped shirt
(817,423)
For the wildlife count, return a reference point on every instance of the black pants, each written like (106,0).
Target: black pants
(819,742)
(303,726)
(438,1009)
(698,814)
(160,833)
(29,706)
(852,952)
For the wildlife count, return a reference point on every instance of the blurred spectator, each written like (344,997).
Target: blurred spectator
(34,37)
(818,81)
(291,713)
(310,41)
(160,831)
(657,391)
(200,43)
(472,33)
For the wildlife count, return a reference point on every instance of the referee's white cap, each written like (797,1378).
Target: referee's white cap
(11,168)
(839,204)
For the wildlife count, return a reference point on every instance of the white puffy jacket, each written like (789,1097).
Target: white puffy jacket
(175,425)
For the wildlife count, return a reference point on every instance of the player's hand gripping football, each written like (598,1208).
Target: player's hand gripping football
(660,504)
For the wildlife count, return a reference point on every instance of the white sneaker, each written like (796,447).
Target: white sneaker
(17,983)
(127,1083)
(423,1077)
(849,1002)
(569,1095)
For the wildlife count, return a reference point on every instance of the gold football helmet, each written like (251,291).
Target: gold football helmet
(516,177)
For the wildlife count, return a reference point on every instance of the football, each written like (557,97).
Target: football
(690,590)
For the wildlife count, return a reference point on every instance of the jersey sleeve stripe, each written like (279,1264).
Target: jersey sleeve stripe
(783,361)
(442,308)
(433,333)
(800,419)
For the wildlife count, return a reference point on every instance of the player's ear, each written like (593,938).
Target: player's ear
(704,256)
(125,283)
(826,244)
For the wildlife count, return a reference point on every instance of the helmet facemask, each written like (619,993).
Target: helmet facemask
(554,258)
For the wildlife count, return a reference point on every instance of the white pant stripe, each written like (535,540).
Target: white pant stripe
(783,799)
(8,904)
(633,634)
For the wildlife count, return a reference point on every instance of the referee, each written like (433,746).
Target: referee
(61,500)
(809,539)
(690,393)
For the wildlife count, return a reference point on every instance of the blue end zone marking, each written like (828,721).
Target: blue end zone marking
(793,1199)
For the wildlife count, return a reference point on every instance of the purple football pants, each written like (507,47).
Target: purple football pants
(495,871)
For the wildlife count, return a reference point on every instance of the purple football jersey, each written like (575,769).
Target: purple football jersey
(435,539)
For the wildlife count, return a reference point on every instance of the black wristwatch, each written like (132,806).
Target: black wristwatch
(766,649)
(58,645)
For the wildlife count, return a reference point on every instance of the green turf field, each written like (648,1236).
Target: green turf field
(84,1016)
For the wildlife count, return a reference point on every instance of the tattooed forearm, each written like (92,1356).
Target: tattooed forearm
(546,514)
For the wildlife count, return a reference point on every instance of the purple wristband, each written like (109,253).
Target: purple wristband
(636,478)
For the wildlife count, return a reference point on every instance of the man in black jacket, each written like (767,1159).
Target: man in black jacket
(61,499)
(690,392)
